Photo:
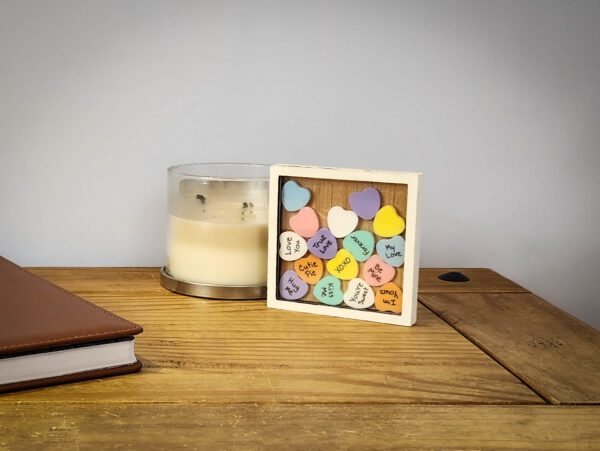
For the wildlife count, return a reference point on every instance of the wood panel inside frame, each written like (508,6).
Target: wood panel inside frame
(331,187)
(326,193)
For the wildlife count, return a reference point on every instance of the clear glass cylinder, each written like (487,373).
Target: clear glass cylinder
(218,215)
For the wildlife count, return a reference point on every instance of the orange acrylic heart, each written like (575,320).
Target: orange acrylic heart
(310,268)
(389,298)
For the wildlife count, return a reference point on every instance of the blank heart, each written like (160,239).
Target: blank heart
(365,203)
(388,222)
(294,196)
(305,223)
(341,222)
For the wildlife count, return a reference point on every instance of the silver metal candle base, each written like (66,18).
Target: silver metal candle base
(200,290)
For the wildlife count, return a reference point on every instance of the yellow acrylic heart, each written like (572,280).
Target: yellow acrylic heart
(343,265)
(388,223)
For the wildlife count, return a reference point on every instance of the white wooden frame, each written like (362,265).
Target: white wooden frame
(411,261)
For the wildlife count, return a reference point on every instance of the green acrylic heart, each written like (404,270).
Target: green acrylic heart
(360,244)
(328,290)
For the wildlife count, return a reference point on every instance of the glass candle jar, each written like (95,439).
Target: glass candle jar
(217,234)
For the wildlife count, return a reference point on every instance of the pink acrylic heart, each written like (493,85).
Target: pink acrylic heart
(305,223)
(377,272)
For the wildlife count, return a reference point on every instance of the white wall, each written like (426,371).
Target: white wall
(498,103)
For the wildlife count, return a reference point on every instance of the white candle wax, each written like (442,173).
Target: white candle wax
(218,224)
(217,253)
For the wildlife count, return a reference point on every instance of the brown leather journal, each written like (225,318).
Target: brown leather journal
(50,336)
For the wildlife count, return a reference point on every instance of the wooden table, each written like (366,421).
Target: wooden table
(488,365)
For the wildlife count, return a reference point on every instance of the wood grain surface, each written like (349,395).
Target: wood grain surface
(289,426)
(556,354)
(234,374)
(240,351)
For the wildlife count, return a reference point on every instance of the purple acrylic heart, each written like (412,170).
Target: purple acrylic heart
(323,244)
(291,286)
(365,203)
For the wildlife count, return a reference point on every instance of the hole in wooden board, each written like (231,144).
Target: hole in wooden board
(453,276)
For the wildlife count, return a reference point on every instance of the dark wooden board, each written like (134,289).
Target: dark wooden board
(555,354)
(482,280)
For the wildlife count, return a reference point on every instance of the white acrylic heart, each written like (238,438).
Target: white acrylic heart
(341,222)
(292,246)
(359,294)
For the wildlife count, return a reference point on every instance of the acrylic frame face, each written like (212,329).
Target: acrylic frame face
(409,182)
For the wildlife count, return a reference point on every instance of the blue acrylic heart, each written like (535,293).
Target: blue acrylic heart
(294,196)
(391,250)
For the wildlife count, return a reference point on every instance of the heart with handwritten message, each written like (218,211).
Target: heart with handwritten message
(329,291)
(323,244)
(391,250)
(377,272)
(343,266)
(388,222)
(309,268)
(359,294)
(365,203)
(291,286)
(305,223)
(291,246)
(389,298)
